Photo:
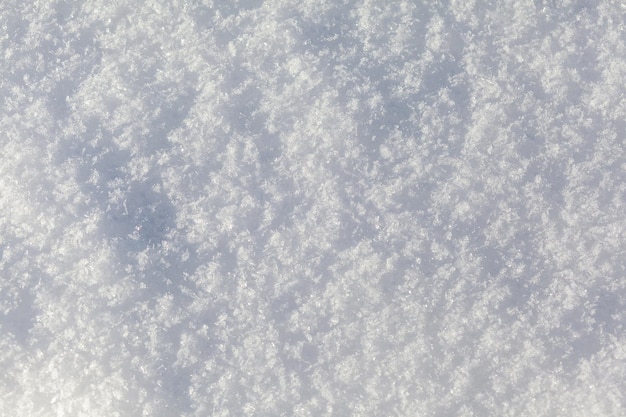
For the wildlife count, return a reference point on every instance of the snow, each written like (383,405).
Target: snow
(314,208)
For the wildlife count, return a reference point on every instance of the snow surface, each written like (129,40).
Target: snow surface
(312,208)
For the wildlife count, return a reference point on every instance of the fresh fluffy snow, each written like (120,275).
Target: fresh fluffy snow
(312,208)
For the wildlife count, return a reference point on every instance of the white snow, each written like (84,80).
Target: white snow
(312,208)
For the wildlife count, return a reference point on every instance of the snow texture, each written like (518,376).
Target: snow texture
(312,208)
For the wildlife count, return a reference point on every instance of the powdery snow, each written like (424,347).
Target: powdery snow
(312,208)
